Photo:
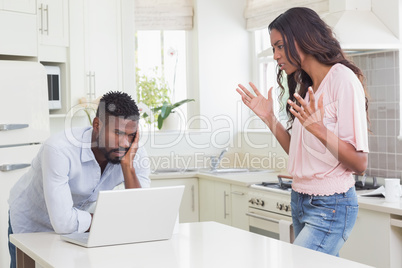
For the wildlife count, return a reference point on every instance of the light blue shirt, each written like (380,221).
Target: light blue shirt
(63,183)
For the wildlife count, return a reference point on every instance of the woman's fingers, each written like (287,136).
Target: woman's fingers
(257,92)
(245,91)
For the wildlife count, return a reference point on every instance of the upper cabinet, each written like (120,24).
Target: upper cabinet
(23,6)
(95,48)
(52,22)
(18,28)
(34,28)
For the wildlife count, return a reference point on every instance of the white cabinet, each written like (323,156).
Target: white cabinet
(376,240)
(103,46)
(189,203)
(95,48)
(215,201)
(224,203)
(18,28)
(239,203)
(52,21)
(22,6)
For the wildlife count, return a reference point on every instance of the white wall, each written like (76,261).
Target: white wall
(220,59)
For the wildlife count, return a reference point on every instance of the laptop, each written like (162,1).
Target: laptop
(131,216)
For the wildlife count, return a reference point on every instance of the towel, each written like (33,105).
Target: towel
(286,233)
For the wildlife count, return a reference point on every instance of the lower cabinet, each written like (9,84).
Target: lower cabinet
(224,203)
(189,203)
(376,240)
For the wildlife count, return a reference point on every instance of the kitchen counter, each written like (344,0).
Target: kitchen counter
(195,245)
(241,178)
(246,179)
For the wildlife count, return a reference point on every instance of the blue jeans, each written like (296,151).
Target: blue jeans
(11,247)
(323,223)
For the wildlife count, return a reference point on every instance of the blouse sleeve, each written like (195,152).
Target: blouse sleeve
(352,120)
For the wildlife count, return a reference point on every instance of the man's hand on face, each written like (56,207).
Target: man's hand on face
(129,156)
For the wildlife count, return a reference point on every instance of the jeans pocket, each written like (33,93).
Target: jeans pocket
(350,220)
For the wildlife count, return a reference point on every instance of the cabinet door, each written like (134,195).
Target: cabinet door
(18,34)
(23,6)
(239,200)
(103,46)
(223,203)
(189,202)
(207,200)
(369,242)
(53,22)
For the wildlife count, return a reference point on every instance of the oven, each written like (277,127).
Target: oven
(269,213)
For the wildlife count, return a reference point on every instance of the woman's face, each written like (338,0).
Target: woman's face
(278,46)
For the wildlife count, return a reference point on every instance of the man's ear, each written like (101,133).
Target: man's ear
(96,124)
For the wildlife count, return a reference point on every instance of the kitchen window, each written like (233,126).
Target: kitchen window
(162,55)
(266,71)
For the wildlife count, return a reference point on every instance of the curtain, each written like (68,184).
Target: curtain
(260,13)
(163,14)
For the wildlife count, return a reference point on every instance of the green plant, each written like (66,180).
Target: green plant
(153,91)
(166,109)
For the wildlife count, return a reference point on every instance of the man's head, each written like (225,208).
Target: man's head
(115,125)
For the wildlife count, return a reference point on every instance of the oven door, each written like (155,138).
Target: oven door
(271,224)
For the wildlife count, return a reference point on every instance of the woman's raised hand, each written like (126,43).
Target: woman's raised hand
(261,106)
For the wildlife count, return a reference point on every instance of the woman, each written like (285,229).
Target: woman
(326,137)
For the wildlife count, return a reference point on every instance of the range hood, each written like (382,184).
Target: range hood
(358,28)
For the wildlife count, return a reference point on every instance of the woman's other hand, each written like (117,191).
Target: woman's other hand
(261,106)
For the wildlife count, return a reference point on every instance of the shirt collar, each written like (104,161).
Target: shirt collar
(86,151)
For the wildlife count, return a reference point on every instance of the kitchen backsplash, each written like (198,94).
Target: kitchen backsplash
(382,79)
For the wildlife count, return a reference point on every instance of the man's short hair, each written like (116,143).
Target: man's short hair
(119,104)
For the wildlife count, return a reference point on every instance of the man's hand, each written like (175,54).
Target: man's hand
(129,157)
(130,177)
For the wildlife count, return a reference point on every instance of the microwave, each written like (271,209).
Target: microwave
(53,87)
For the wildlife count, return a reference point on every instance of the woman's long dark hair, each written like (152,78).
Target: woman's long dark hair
(314,37)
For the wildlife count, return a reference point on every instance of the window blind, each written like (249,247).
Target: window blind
(163,14)
(260,13)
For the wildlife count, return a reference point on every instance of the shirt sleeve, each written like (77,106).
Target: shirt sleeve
(141,165)
(352,119)
(57,193)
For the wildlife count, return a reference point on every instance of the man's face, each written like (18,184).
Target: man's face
(115,138)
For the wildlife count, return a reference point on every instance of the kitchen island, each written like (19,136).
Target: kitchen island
(195,245)
(376,239)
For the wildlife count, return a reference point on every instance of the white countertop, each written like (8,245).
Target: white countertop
(248,178)
(195,245)
(242,178)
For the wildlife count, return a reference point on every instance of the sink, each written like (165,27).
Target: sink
(237,170)
(174,170)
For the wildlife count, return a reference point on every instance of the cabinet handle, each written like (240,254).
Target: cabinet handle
(94,84)
(261,217)
(238,193)
(41,18)
(5,127)
(10,167)
(47,20)
(91,86)
(224,205)
(193,198)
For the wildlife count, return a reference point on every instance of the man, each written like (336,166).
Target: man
(58,191)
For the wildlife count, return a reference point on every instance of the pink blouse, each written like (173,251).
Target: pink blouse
(314,169)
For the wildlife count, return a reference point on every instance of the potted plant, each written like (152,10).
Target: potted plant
(153,91)
(166,109)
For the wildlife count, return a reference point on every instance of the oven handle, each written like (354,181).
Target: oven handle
(261,217)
